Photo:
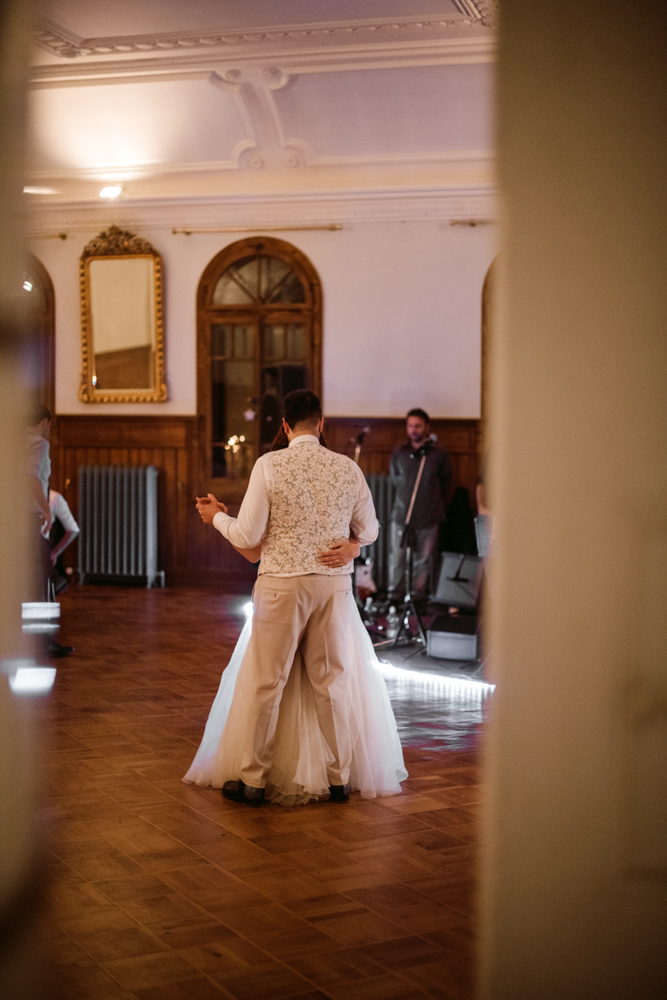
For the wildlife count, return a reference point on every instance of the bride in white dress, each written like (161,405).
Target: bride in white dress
(301,755)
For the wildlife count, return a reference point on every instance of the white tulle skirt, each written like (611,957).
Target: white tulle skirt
(299,770)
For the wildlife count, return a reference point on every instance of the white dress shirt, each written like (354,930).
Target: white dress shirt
(60,512)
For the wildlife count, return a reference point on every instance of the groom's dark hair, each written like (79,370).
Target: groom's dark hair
(301,407)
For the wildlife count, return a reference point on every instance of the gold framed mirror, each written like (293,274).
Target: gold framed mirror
(122,330)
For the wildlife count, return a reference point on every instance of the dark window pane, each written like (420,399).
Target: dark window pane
(274,341)
(233,436)
(221,339)
(219,461)
(297,341)
(277,381)
(273,272)
(238,373)
(244,346)
(218,407)
(290,290)
(246,273)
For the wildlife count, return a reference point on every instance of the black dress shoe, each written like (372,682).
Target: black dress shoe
(56,650)
(339,793)
(238,791)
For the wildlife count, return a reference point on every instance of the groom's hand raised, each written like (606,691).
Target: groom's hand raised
(208,507)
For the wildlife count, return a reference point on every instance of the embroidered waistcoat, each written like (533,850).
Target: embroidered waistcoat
(313,497)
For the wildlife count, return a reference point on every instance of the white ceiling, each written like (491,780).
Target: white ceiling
(212,97)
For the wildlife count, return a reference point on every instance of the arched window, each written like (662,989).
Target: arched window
(259,337)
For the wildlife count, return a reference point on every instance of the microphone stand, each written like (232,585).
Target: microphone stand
(409,607)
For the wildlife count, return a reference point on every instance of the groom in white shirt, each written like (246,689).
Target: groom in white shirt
(299,501)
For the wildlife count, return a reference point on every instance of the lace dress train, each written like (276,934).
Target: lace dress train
(299,770)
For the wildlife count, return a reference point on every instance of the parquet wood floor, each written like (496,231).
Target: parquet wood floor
(164,891)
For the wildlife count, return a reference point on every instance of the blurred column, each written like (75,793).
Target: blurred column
(574,901)
(20,876)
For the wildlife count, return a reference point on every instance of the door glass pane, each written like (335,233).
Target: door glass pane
(221,339)
(243,342)
(233,436)
(228,292)
(277,381)
(273,271)
(297,341)
(290,290)
(273,336)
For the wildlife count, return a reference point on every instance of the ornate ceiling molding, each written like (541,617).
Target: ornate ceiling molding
(320,208)
(480,11)
(65,44)
(198,65)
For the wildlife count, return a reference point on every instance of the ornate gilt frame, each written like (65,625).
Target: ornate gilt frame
(115,242)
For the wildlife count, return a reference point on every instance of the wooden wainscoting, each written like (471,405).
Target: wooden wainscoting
(188,551)
(460,438)
(186,548)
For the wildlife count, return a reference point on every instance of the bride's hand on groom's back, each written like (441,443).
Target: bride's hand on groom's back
(340,553)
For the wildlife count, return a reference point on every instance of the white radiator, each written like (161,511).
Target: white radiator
(118,522)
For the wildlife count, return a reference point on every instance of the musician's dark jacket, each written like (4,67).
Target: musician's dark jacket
(434,487)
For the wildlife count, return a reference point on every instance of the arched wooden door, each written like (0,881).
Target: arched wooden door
(259,309)
(39,316)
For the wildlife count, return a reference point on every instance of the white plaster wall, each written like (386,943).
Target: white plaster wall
(401,315)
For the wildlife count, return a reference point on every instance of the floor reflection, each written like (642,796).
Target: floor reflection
(438,704)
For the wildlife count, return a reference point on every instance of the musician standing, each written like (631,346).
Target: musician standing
(428,504)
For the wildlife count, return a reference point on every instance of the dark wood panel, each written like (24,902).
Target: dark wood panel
(459,437)
(188,550)
(122,431)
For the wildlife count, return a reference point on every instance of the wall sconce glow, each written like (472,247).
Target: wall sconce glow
(111,192)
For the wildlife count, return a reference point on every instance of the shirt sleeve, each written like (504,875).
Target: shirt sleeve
(60,511)
(39,461)
(247,530)
(364,523)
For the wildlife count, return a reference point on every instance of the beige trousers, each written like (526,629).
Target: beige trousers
(311,612)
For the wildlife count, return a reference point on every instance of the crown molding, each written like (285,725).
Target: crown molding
(485,12)
(65,44)
(469,160)
(258,210)
(329,59)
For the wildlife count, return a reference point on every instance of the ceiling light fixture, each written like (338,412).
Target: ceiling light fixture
(111,192)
